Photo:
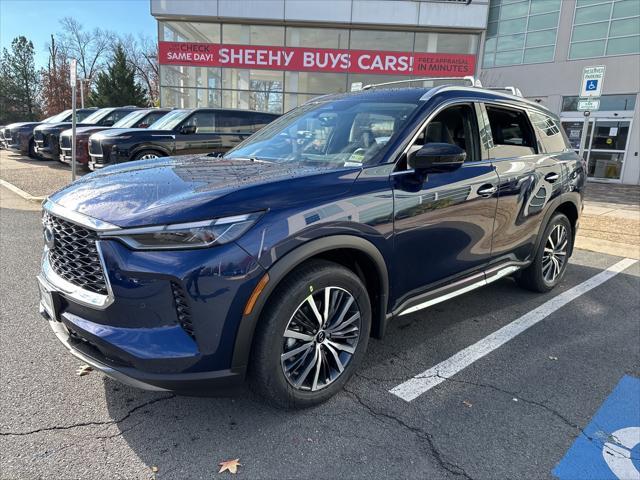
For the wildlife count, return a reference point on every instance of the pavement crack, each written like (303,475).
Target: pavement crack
(426,437)
(517,395)
(89,424)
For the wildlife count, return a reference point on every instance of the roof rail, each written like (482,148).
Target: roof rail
(511,89)
(474,82)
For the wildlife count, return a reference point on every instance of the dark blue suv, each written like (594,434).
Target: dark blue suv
(277,261)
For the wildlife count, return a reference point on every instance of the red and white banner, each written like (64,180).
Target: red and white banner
(316,59)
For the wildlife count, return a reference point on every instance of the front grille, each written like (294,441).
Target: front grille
(74,255)
(65,141)
(38,137)
(182,308)
(94,147)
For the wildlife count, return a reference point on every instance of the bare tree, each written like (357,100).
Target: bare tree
(142,54)
(88,47)
(56,89)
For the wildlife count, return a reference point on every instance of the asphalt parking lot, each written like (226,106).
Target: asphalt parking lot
(514,412)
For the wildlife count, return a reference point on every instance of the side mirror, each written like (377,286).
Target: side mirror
(437,157)
(188,129)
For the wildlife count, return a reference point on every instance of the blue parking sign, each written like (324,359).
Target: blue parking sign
(592,85)
(609,447)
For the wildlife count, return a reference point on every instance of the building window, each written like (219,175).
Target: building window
(521,32)
(605,27)
(279,91)
(608,103)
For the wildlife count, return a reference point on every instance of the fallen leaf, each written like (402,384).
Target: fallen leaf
(467,403)
(231,465)
(551,357)
(154,469)
(84,370)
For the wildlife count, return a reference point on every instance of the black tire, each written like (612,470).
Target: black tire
(147,153)
(266,368)
(535,277)
(32,150)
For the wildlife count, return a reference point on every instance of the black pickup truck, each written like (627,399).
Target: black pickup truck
(47,136)
(180,132)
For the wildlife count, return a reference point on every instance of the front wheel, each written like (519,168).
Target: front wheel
(312,335)
(550,263)
(146,155)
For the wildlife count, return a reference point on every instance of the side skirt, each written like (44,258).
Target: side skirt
(458,288)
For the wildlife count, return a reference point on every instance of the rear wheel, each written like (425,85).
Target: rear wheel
(312,335)
(552,257)
(146,155)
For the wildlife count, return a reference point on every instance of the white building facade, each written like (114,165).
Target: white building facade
(542,46)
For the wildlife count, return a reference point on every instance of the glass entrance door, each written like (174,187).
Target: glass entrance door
(605,145)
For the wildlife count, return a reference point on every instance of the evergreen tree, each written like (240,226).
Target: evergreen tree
(117,86)
(20,82)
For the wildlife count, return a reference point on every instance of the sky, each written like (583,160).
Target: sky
(38,19)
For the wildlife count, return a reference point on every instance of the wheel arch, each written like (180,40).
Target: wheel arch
(149,147)
(568,205)
(354,253)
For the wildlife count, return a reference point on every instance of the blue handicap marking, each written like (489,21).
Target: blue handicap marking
(592,85)
(610,446)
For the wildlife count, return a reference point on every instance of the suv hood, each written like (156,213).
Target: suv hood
(83,130)
(127,132)
(13,126)
(53,127)
(192,188)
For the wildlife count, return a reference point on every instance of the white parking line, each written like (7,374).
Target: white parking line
(428,379)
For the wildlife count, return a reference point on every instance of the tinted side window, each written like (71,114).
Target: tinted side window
(149,119)
(203,121)
(241,122)
(511,132)
(549,133)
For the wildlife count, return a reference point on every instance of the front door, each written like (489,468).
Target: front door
(443,221)
(197,134)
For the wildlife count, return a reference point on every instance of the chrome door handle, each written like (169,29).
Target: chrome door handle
(551,177)
(487,190)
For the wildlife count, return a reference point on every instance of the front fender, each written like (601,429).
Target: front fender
(280,269)
(148,146)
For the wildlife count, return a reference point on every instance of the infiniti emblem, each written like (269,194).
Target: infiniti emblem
(49,237)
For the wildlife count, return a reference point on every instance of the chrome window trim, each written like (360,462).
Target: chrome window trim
(77,217)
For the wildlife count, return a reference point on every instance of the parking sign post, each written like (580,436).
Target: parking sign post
(73,77)
(590,91)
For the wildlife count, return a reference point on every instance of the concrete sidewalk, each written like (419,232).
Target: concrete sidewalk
(610,221)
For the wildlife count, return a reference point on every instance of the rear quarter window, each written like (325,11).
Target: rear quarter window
(550,136)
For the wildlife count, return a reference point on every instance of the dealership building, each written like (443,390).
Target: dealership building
(273,55)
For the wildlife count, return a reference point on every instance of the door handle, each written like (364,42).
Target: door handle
(551,177)
(487,190)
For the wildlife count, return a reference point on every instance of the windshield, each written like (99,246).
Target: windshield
(349,132)
(130,120)
(96,116)
(170,120)
(59,117)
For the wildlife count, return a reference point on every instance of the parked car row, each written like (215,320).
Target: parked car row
(115,135)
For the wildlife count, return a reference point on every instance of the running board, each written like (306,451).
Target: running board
(488,277)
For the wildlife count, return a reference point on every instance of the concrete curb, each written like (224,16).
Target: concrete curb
(21,193)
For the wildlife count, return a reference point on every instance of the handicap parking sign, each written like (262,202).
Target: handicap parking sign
(592,85)
(609,447)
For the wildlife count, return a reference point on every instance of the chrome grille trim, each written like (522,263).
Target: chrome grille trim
(77,217)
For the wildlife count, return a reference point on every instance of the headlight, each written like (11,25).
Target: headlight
(186,235)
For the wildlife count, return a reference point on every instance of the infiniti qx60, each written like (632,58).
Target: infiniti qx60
(279,260)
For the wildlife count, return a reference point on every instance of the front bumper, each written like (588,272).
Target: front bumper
(135,337)
(47,152)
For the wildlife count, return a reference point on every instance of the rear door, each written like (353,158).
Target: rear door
(235,126)
(528,179)
(444,221)
(197,134)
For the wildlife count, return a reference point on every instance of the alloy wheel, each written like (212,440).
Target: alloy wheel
(320,339)
(148,156)
(555,253)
